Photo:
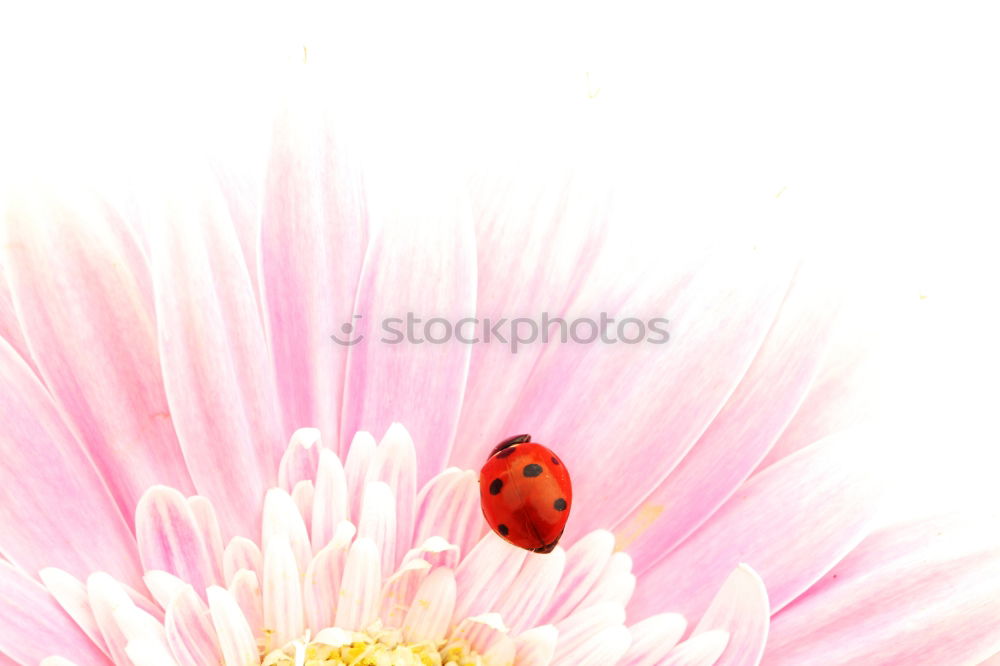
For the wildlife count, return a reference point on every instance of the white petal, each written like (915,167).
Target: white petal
(245,590)
(56,661)
(605,647)
(582,626)
(235,638)
(330,505)
(400,589)
(378,522)
(360,586)
(527,598)
(396,465)
(146,652)
(653,638)
(106,596)
(163,586)
(537,647)
(741,609)
(303,495)
(321,588)
(298,463)
(359,457)
(283,613)
(211,533)
(480,632)
(71,594)
(701,650)
(616,583)
(282,519)
(430,613)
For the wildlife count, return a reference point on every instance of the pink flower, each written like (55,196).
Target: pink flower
(158,356)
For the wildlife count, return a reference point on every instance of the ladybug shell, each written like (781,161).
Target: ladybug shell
(526,495)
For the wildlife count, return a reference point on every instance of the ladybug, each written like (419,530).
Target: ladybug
(526,494)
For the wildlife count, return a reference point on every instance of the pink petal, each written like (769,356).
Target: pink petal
(189,630)
(585,563)
(84,299)
(528,597)
(421,261)
(33,625)
(430,613)
(615,584)
(52,500)
(302,496)
(791,523)
(653,638)
(448,506)
(10,327)
(582,626)
(300,459)
(740,609)
(484,574)
(518,224)
(923,593)
(211,533)
(242,553)
(245,591)
(741,434)
(313,239)
(216,368)
(399,591)
(479,633)
(605,647)
(359,458)
(170,539)
(649,403)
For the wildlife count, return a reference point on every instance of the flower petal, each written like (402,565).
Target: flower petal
(400,589)
(330,503)
(422,263)
(537,646)
(300,459)
(396,465)
(582,626)
(378,522)
(82,290)
(313,240)
(359,587)
(71,594)
(239,648)
(529,595)
(106,597)
(484,574)
(430,613)
(33,626)
(169,538)
(791,523)
(283,612)
(282,520)
(52,500)
(586,561)
(742,433)
(659,398)
(921,593)
(448,507)
(216,369)
(189,630)
(653,638)
(245,590)
(606,647)
(359,458)
(701,650)
(242,553)
(321,587)
(740,609)
(211,533)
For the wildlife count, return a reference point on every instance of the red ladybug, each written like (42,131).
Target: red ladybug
(526,494)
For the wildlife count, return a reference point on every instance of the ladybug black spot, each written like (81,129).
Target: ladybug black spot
(532,470)
(560,504)
(554,461)
(503,529)
(495,486)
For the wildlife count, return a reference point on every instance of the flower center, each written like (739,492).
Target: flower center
(374,647)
